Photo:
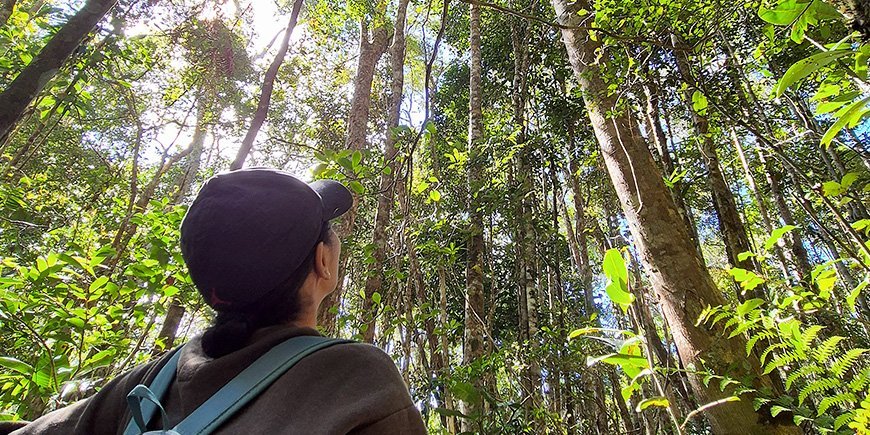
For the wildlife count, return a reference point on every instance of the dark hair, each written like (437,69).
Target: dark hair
(232,329)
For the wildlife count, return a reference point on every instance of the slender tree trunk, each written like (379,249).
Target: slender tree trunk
(780,250)
(683,285)
(585,269)
(266,92)
(653,116)
(445,348)
(526,239)
(795,241)
(169,330)
(374,279)
(370,51)
(730,223)
(473,341)
(30,81)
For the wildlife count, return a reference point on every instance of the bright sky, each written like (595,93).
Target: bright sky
(268,23)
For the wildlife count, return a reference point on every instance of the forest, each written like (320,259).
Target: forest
(571,216)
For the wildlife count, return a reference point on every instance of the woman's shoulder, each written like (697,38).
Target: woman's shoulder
(355,357)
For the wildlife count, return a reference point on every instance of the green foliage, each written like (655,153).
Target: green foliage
(824,381)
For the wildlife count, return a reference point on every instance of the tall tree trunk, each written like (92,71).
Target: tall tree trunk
(374,279)
(30,81)
(730,223)
(585,268)
(266,92)
(683,285)
(795,241)
(526,239)
(371,48)
(473,341)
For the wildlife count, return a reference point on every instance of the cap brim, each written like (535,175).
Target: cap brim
(337,200)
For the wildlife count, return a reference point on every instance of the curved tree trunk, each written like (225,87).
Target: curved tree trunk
(682,284)
(266,92)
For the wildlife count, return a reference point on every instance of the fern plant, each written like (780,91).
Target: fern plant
(827,383)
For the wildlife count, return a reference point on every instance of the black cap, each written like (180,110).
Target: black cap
(247,231)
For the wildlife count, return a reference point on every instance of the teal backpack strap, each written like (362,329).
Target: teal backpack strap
(251,382)
(145,401)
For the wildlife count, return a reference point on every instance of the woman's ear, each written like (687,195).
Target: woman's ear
(321,261)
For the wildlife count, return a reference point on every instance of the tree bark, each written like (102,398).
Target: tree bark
(653,115)
(33,78)
(266,92)
(169,330)
(473,340)
(374,280)
(370,51)
(730,223)
(6,7)
(683,285)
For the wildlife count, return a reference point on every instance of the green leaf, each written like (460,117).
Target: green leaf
(848,180)
(15,365)
(652,401)
(777,234)
(614,266)
(376,298)
(619,296)
(744,255)
(776,410)
(805,67)
(356,159)
(699,102)
(854,110)
(783,15)
(465,392)
(77,322)
(748,306)
(357,187)
(98,283)
(435,195)
(170,290)
(100,359)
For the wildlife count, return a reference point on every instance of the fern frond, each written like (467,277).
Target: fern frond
(803,372)
(861,382)
(780,361)
(827,348)
(719,318)
(842,419)
(810,334)
(734,321)
(743,327)
(817,386)
(845,363)
(755,338)
(839,399)
(771,349)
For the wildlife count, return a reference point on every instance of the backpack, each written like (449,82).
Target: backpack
(144,401)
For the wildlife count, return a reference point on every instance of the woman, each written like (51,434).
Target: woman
(260,250)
